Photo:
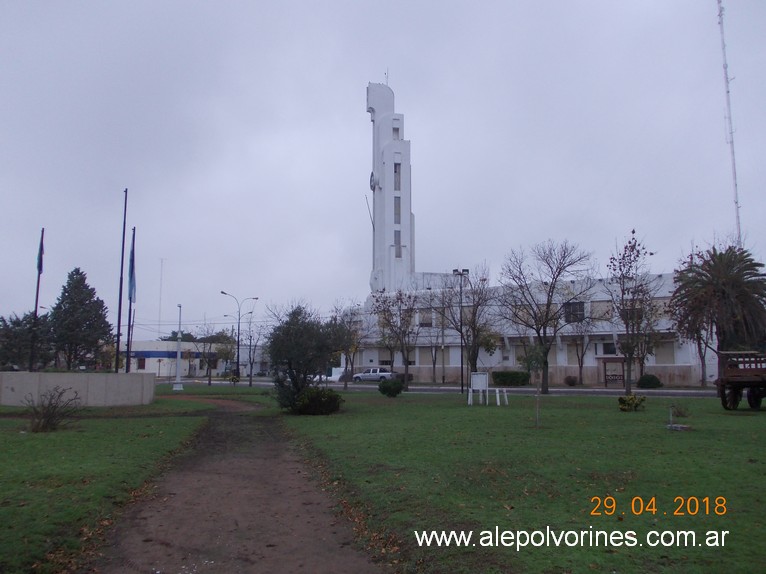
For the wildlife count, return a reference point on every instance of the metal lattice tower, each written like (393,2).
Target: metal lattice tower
(729,124)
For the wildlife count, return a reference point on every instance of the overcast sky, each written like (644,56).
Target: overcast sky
(241,132)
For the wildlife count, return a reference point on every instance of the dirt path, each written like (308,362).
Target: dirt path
(239,502)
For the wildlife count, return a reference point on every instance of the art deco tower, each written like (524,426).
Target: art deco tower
(393,244)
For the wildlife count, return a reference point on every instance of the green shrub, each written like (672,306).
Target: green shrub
(649,382)
(318,401)
(570,380)
(288,392)
(680,411)
(54,408)
(391,387)
(631,403)
(510,378)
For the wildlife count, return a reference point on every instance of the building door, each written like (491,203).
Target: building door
(614,372)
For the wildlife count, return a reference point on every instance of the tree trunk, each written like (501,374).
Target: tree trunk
(544,386)
(628,375)
(701,353)
(406,361)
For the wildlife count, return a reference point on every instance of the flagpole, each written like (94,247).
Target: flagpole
(40,253)
(131,297)
(122,267)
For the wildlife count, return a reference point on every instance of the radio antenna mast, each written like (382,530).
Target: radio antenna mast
(729,126)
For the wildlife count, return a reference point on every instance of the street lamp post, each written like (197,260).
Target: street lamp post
(177,386)
(461,273)
(239,320)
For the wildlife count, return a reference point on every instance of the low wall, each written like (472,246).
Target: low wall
(94,389)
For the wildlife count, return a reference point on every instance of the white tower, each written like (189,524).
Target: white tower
(393,244)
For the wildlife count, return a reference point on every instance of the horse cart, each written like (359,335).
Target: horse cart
(744,371)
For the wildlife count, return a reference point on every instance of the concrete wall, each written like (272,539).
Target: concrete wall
(94,389)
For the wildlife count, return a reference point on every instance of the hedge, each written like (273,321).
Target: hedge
(510,378)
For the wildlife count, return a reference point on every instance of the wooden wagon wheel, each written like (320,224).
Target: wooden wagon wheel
(730,397)
(754,397)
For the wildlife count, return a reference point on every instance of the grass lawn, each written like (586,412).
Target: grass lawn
(425,462)
(57,489)
(428,462)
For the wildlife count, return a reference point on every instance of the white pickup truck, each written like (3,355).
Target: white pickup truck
(373,374)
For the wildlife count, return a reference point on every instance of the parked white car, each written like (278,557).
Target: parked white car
(373,374)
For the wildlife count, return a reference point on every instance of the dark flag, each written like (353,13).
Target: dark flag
(132,270)
(40,253)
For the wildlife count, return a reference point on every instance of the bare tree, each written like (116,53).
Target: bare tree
(632,291)
(582,331)
(253,335)
(650,334)
(352,327)
(541,290)
(226,350)
(467,307)
(430,317)
(583,321)
(396,314)
(207,342)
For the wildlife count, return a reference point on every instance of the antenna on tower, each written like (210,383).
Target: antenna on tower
(372,220)
(729,126)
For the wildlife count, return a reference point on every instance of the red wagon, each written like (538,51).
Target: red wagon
(743,371)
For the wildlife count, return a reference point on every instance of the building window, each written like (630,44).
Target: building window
(398,244)
(396,133)
(397,177)
(213,364)
(574,311)
(601,310)
(608,349)
(664,353)
(426,319)
(397,210)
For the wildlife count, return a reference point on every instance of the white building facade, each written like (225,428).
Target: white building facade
(437,354)
(160,358)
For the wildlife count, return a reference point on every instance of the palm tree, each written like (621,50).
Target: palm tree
(723,293)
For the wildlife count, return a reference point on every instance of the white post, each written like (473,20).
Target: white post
(178,386)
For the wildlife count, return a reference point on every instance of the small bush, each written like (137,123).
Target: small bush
(287,392)
(391,387)
(510,378)
(570,380)
(631,403)
(318,401)
(52,410)
(649,382)
(680,411)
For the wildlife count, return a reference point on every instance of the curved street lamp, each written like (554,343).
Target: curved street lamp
(239,320)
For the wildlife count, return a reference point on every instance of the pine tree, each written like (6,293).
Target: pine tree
(79,324)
